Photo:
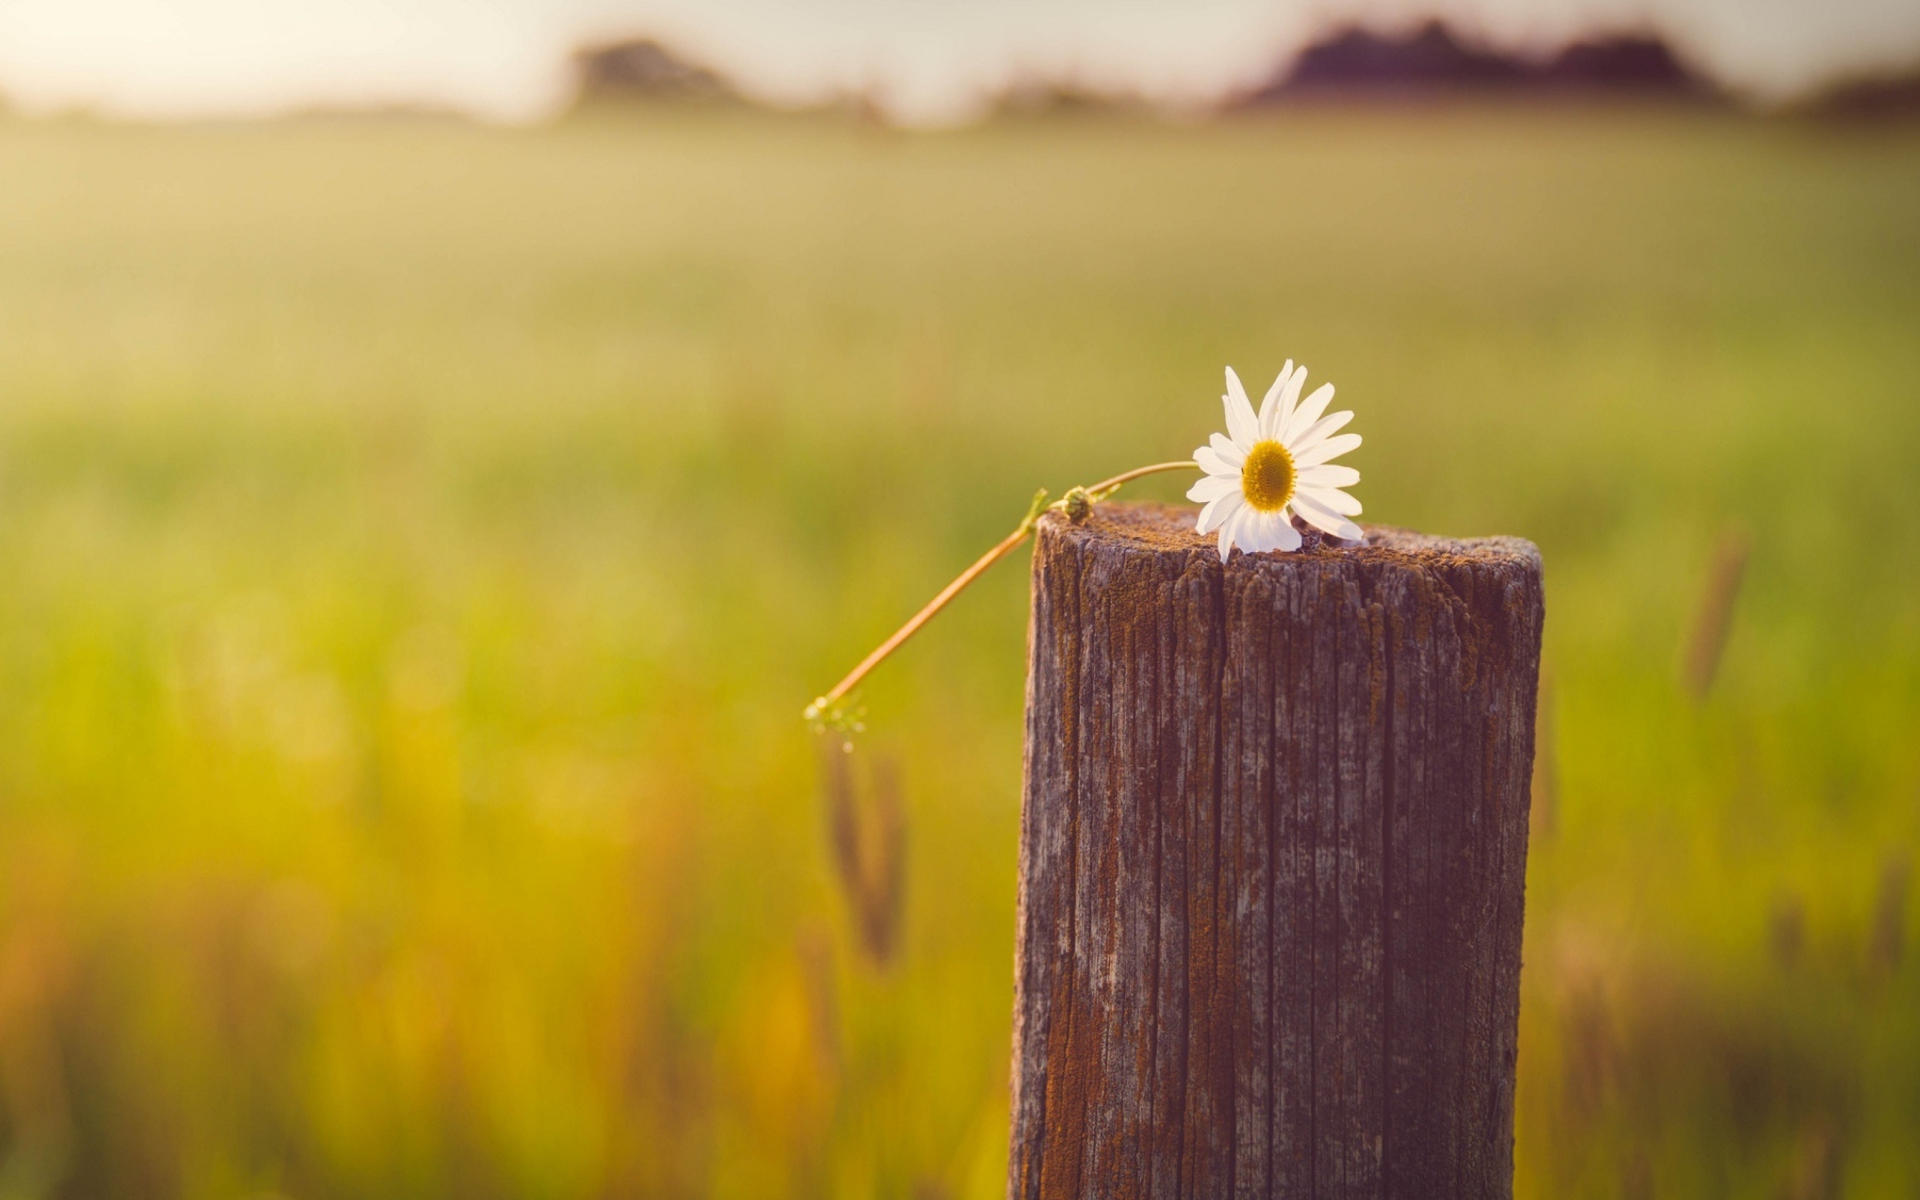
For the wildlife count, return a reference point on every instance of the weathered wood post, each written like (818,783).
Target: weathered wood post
(1272,859)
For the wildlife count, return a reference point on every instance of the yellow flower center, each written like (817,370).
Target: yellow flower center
(1267,478)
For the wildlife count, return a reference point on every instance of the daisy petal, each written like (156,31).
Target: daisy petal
(1289,398)
(1226,532)
(1308,412)
(1278,533)
(1289,537)
(1244,526)
(1229,453)
(1255,532)
(1270,407)
(1252,534)
(1333,447)
(1331,475)
(1319,516)
(1213,464)
(1322,429)
(1333,499)
(1241,425)
(1212,487)
(1216,513)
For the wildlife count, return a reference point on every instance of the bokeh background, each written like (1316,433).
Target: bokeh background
(420,532)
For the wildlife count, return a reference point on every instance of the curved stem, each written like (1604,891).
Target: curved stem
(1107,487)
(920,618)
(823,707)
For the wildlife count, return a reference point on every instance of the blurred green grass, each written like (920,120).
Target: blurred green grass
(417,542)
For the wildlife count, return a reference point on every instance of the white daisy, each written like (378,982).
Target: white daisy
(1277,461)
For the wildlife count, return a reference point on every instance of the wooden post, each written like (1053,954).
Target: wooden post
(1272,858)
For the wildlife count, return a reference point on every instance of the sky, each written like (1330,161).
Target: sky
(928,60)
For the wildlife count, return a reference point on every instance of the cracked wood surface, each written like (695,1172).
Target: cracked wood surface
(1272,862)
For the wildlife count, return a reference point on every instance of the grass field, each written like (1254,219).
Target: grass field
(417,543)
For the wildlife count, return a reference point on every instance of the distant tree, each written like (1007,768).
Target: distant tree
(1640,64)
(642,69)
(1871,98)
(1433,60)
(1356,59)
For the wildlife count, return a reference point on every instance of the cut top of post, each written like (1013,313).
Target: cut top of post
(1169,529)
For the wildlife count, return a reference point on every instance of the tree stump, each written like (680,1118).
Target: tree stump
(1272,862)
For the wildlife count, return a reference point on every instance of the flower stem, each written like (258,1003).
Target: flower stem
(825,709)
(1107,487)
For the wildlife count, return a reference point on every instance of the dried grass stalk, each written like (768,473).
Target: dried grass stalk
(1889,942)
(1707,640)
(869,842)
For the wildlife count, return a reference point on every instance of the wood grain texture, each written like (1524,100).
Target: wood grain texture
(1272,864)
